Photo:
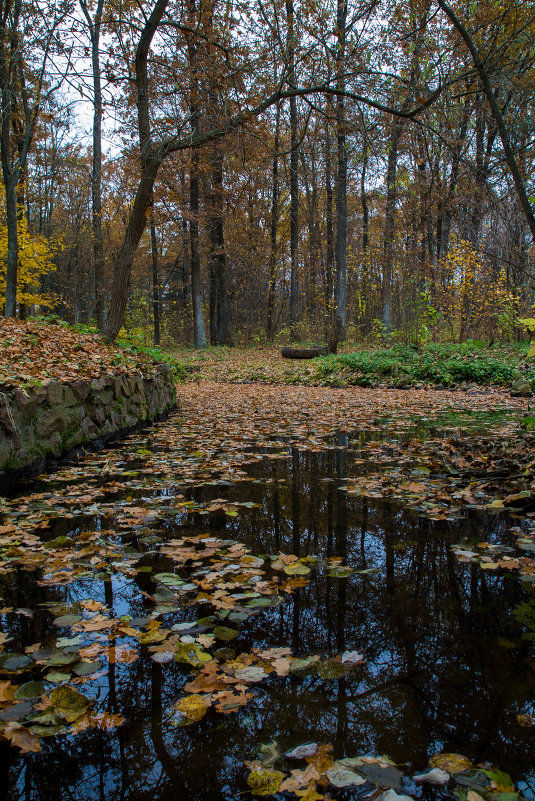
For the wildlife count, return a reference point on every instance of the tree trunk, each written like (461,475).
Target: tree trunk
(96,170)
(136,225)
(218,259)
(329,246)
(341,181)
(388,242)
(155,281)
(270,328)
(294,180)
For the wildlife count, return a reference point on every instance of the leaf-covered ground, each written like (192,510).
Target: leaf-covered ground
(32,351)
(459,366)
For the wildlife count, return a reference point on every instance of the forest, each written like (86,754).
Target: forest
(199,171)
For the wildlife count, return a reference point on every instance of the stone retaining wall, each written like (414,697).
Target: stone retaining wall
(54,418)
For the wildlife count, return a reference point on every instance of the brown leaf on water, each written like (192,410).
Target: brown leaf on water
(7,691)
(21,737)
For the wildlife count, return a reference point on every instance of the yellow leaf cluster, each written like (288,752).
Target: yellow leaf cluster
(36,259)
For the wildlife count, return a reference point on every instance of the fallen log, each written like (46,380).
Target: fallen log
(304,353)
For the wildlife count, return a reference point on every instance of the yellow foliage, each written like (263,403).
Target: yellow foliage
(36,258)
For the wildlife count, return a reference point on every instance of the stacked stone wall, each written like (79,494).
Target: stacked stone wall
(54,418)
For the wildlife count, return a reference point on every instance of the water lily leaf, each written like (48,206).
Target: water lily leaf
(191,654)
(191,709)
(264,782)
(68,703)
(225,634)
(451,763)
(31,689)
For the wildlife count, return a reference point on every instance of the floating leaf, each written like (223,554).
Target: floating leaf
(262,781)
(341,776)
(225,634)
(68,703)
(32,689)
(302,751)
(191,654)
(450,763)
(191,709)
(21,737)
(433,776)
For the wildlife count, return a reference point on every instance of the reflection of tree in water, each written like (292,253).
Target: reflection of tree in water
(435,675)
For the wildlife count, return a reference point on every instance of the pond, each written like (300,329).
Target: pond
(366,632)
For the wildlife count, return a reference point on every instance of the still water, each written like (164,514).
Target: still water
(447,666)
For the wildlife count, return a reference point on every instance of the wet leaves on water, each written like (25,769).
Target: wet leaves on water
(263,781)
(450,763)
(190,709)
(68,703)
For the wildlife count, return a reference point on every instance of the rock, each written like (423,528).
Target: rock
(54,391)
(521,388)
(69,398)
(80,389)
(51,422)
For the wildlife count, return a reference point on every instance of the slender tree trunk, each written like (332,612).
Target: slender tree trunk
(270,329)
(12,246)
(329,235)
(218,259)
(155,281)
(96,171)
(341,182)
(294,179)
(137,221)
(199,335)
(388,242)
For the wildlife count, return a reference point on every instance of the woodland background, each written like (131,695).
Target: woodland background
(259,171)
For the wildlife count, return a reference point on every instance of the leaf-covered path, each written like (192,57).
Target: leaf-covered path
(274,565)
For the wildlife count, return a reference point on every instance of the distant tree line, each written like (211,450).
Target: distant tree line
(261,171)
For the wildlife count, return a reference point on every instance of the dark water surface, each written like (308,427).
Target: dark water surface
(446,666)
